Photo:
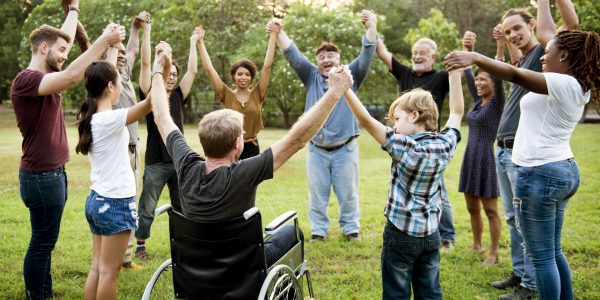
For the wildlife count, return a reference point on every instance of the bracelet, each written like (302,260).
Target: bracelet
(157,72)
(74,8)
(499,58)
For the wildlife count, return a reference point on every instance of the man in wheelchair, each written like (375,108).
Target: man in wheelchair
(220,187)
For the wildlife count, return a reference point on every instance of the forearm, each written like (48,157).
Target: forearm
(133,44)
(371,34)
(457,102)
(546,25)
(192,65)
(145,58)
(111,55)
(514,53)
(270,52)
(77,68)
(70,26)
(568,14)
(160,108)
(283,41)
(384,55)
(213,76)
(374,127)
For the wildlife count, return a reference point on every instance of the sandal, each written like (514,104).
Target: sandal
(141,253)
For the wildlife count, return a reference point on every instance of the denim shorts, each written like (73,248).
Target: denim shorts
(107,216)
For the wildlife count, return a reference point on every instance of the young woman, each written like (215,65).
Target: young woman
(478,179)
(110,208)
(547,174)
(244,98)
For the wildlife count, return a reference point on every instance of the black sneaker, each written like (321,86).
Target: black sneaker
(354,236)
(316,238)
(519,293)
(510,281)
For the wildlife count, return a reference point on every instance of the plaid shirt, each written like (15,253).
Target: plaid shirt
(418,163)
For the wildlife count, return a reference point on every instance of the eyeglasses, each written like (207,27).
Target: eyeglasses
(327,56)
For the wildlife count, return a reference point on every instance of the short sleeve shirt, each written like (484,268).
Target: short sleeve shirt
(418,163)
(111,174)
(127,99)
(224,193)
(41,122)
(156,152)
(547,121)
(251,110)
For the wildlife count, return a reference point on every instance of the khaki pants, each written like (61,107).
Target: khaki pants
(134,160)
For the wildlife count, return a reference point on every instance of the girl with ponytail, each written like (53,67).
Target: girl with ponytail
(110,209)
(547,173)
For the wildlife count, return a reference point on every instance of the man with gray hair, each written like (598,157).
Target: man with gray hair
(422,75)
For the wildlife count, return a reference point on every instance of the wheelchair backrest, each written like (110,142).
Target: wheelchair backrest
(223,260)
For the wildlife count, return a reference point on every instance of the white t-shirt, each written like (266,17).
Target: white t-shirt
(547,121)
(111,174)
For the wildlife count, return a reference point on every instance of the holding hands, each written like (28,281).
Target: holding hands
(197,35)
(340,79)
(498,33)
(368,19)
(113,33)
(162,60)
(274,26)
(469,40)
(142,20)
(459,59)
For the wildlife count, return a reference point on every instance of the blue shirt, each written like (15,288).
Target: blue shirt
(418,162)
(341,124)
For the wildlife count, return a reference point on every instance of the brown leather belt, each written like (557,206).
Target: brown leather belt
(507,143)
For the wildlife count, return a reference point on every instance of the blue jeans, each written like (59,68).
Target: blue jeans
(108,216)
(446,226)
(337,168)
(45,194)
(155,177)
(280,243)
(407,259)
(507,172)
(542,195)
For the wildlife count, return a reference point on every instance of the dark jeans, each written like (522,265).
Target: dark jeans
(407,259)
(280,243)
(542,194)
(250,150)
(45,194)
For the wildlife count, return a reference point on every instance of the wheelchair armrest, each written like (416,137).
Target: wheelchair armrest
(250,212)
(282,219)
(159,211)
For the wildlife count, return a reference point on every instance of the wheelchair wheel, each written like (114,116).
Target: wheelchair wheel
(160,285)
(281,283)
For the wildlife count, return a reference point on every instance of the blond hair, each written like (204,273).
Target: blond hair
(219,130)
(421,101)
(48,34)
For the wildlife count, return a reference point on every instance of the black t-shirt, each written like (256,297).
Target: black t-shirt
(432,81)
(223,194)
(155,148)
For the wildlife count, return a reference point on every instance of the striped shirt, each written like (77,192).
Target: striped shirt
(418,162)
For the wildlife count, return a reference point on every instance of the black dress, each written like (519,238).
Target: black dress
(478,172)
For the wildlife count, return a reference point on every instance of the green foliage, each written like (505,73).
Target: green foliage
(439,29)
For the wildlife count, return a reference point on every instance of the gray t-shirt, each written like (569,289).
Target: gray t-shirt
(509,122)
(224,193)
(127,99)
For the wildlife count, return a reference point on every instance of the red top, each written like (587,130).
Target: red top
(41,122)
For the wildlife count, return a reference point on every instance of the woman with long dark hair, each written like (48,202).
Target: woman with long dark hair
(547,173)
(110,208)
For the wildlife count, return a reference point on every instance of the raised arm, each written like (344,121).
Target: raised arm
(192,68)
(70,24)
(457,101)
(533,81)
(501,42)
(568,15)
(112,53)
(374,127)
(265,73)
(213,76)
(133,44)
(145,56)
(546,28)
(361,64)
(369,20)
(298,61)
(468,43)
(59,81)
(283,40)
(160,102)
(310,122)
(384,55)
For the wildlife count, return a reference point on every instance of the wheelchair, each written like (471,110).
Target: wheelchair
(225,260)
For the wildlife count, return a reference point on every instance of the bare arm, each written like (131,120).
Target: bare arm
(384,55)
(369,20)
(139,110)
(568,15)
(283,40)
(310,122)
(213,76)
(533,81)
(160,102)
(457,101)
(265,73)
(501,42)
(70,24)
(133,44)
(375,129)
(546,26)
(111,55)
(59,81)
(192,68)
(145,57)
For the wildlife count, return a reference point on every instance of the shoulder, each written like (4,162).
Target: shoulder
(565,87)
(28,77)
(451,135)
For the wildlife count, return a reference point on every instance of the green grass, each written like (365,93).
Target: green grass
(340,270)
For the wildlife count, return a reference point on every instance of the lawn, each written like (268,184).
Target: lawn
(340,269)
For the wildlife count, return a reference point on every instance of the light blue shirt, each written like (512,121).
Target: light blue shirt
(340,124)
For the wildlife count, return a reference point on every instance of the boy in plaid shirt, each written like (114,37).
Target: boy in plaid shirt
(419,155)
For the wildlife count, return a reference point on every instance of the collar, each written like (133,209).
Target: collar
(422,74)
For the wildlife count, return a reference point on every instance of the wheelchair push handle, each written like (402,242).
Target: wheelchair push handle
(165,208)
